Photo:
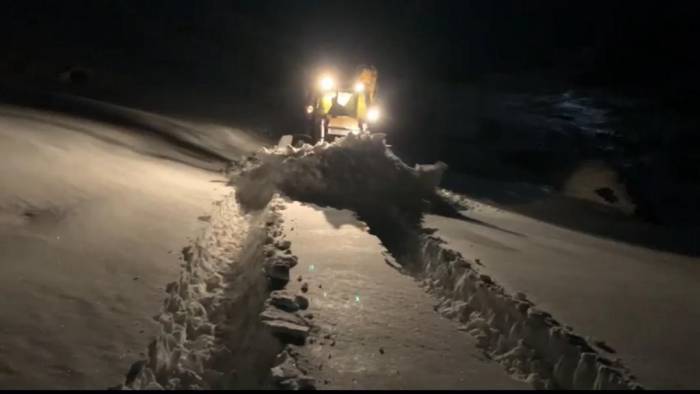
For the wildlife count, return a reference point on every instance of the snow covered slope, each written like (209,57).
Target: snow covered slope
(91,217)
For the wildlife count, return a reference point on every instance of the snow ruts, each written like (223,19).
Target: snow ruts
(210,334)
(529,342)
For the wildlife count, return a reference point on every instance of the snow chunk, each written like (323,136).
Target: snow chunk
(288,376)
(271,313)
(302,301)
(285,329)
(431,174)
(285,324)
(284,301)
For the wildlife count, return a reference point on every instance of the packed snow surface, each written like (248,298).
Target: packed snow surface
(374,327)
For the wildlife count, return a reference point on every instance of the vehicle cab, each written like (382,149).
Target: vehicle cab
(338,109)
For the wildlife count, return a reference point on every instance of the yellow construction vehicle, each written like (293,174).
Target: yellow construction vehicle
(337,107)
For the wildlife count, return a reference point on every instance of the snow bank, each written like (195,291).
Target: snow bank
(353,173)
(359,173)
(284,313)
(192,349)
(183,355)
(197,142)
(206,339)
(529,342)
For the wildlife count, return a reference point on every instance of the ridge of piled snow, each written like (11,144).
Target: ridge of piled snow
(461,203)
(529,342)
(203,337)
(196,142)
(180,355)
(202,333)
(283,310)
(353,172)
(360,173)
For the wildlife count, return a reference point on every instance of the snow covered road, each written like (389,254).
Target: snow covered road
(377,327)
(92,219)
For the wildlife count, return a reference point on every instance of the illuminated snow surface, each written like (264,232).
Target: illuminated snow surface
(376,328)
(318,268)
(92,220)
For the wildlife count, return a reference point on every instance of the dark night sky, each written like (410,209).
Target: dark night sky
(452,41)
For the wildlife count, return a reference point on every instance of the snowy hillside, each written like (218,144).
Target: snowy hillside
(92,215)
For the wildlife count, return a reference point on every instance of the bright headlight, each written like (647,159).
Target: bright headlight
(326,82)
(359,87)
(373,114)
(309,109)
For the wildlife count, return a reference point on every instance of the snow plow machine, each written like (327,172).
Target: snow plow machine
(338,107)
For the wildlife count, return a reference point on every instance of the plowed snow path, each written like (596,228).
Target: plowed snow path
(90,233)
(644,303)
(382,331)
